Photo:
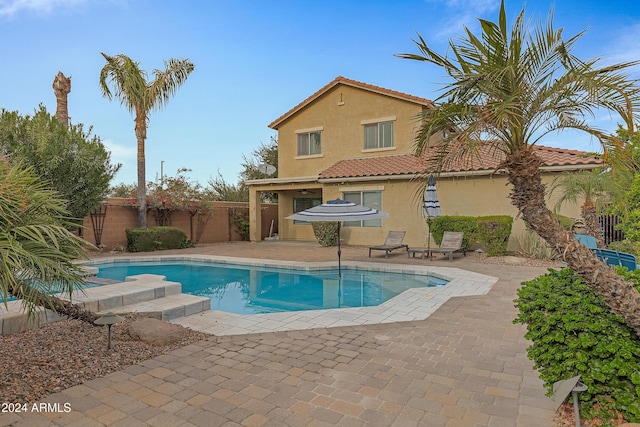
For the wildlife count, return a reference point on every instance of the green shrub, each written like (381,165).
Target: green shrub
(155,238)
(466,224)
(326,232)
(490,232)
(493,234)
(574,333)
(564,221)
(240,218)
(531,245)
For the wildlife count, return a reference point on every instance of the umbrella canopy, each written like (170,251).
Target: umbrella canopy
(338,210)
(431,207)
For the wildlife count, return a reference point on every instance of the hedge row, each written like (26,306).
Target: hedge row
(155,239)
(490,232)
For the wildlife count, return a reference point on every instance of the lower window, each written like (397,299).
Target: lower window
(370,199)
(301,204)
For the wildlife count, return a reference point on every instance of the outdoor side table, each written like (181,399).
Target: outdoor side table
(421,251)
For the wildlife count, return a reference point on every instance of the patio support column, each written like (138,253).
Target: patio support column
(255,215)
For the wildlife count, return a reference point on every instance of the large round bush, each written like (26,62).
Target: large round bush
(574,333)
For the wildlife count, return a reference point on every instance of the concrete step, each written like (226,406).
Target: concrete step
(148,294)
(135,289)
(14,320)
(167,308)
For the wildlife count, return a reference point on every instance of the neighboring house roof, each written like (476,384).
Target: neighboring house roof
(408,164)
(353,83)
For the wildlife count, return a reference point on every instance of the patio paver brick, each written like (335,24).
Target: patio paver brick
(465,365)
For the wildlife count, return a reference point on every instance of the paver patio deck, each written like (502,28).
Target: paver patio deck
(465,365)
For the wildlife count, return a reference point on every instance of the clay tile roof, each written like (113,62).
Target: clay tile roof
(353,83)
(408,164)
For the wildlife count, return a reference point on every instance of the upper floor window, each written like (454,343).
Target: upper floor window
(309,143)
(378,135)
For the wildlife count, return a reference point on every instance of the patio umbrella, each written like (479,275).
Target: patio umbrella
(431,207)
(338,210)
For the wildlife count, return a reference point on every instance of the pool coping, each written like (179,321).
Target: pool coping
(413,304)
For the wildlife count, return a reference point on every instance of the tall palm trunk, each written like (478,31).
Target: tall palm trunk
(590,215)
(61,88)
(66,308)
(141,136)
(527,195)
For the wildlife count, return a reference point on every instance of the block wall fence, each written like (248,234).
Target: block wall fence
(120,214)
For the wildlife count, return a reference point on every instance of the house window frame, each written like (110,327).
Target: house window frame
(370,124)
(308,133)
(373,223)
(313,201)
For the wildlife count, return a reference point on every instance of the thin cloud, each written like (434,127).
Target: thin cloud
(10,8)
(458,14)
(120,153)
(623,47)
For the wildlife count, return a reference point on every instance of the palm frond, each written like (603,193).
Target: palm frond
(37,251)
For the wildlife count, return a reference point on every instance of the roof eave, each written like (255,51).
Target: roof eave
(406,176)
(484,172)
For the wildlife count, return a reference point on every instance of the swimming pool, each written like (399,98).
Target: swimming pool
(248,289)
(75,287)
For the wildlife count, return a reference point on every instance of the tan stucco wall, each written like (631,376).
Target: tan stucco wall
(342,130)
(339,113)
(470,196)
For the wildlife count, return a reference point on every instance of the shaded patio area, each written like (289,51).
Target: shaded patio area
(465,365)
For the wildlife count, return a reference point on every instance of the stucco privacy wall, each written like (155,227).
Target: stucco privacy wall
(121,214)
(483,195)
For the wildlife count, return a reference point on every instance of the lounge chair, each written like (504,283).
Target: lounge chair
(621,259)
(628,260)
(451,242)
(607,256)
(587,240)
(393,241)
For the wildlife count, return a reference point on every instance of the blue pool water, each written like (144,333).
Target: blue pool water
(84,286)
(250,290)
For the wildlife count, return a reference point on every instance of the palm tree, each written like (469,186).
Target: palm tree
(36,248)
(593,188)
(141,97)
(510,88)
(61,88)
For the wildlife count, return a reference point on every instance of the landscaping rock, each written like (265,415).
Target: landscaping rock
(512,260)
(156,332)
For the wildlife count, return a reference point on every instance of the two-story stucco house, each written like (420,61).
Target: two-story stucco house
(354,141)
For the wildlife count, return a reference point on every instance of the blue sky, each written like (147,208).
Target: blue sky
(254,60)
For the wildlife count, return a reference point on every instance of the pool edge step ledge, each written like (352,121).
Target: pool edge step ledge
(146,294)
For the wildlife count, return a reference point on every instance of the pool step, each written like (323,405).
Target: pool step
(151,295)
(147,294)
(167,308)
(135,289)
(14,320)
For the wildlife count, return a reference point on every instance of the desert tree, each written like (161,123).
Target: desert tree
(508,87)
(141,96)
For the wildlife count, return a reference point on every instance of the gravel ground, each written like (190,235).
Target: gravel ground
(482,258)
(54,357)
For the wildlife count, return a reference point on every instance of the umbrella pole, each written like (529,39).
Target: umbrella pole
(429,238)
(339,252)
